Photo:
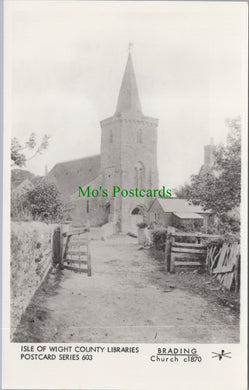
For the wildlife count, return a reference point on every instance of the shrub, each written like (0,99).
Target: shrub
(159,236)
(44,202)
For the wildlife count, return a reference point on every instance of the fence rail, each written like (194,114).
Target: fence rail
(75,250)
(223,263)
(186,254)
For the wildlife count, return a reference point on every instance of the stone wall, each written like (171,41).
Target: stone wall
(31,258)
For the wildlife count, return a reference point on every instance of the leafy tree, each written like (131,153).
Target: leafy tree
(183,192)
(219,189)
(44,202)
(18,158)
(228,167)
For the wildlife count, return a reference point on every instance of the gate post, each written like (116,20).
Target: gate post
(56,245)
(167,252)
(64,227)
(170,230)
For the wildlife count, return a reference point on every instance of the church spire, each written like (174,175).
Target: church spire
(128,100)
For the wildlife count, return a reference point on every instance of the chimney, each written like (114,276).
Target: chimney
(209,153)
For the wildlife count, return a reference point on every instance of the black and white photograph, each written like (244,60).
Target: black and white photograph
(126,143)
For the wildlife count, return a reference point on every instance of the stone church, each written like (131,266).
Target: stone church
(128,159)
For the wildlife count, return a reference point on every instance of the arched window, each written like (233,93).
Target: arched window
(110,137)
(139,175)
(140,136)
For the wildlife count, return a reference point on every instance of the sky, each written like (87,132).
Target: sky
(65,61)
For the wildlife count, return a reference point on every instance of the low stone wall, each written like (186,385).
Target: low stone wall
(31,258)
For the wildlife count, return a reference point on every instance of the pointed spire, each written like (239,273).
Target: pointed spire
(128,100)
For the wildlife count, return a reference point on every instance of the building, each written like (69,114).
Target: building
(178,213)
(68,175)
(128,159)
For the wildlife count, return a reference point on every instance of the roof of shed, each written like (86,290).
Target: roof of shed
(174,205)
(188,215)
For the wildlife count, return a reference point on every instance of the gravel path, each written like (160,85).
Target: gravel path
(129,298)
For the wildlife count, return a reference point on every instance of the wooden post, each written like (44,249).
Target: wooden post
(167,252)
(172,263)
(89,268)
(61,244)
(206,223)
(237,270)
(64,227)
(56,258)
(168,243)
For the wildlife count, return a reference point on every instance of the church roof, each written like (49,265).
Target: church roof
(69,175)
(128,100)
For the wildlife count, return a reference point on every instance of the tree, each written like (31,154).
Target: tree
(219,189)
(228,167)
(183,192)
(18,158)
(44,202)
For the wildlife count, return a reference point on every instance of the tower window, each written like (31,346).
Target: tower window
(110,137)
(140,136)
(139,175)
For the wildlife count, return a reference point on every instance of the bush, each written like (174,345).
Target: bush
(44,202)
(159,236)
(227,226)
(190,226)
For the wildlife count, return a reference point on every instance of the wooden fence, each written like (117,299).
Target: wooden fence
(192,250)
(224,264)
(186,249)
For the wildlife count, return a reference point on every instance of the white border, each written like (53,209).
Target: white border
(132,371)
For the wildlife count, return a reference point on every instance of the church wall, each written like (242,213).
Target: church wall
(95,214)
(110,143)
(134,151)
(110,161)
(137,153)
(94,206)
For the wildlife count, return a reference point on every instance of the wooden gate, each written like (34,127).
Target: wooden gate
(181,252)
(76,255)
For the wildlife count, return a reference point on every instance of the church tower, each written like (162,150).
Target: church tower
(128,152)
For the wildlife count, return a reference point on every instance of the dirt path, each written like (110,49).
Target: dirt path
(129,298)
